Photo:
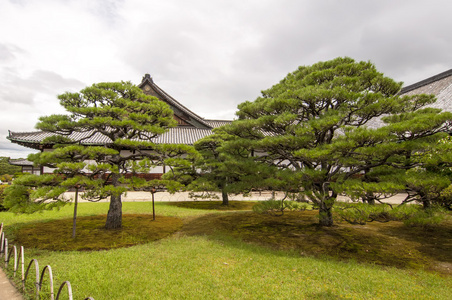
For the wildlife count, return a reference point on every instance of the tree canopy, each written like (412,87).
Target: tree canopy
(316,129)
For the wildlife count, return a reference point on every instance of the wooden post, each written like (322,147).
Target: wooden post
(74,219)
(153,207)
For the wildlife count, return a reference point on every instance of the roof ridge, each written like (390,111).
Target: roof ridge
(23,132)
(198,118)
(218,120)
(427,81)
(148,79)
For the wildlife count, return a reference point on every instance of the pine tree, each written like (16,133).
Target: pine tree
(126,120)
(313,129)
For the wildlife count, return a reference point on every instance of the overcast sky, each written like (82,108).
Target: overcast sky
(210,55)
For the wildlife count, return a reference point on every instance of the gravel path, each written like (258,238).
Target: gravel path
(7,290)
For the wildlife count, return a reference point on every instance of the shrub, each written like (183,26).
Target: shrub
(279,206)
(2,189)
(361,213)
(411,215)
(445,198)
(426,217)
(404,211)
(6,178)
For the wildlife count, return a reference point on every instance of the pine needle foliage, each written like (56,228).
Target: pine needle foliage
(315,133)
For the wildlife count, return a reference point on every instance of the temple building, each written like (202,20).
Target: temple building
(190,128)
(26,165)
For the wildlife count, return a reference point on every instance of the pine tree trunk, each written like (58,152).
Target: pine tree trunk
(225,197)
(114,216)
(153,204)
(224,193)
(426,204)
(325,214)
(326,202)
(325,217)
(369,198)
(371,201)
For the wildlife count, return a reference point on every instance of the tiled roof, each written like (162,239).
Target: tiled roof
(182,135)
(426,82)
(176,135)
(439,85)
(31,137)
(20,162)
(217,123)
(441,88)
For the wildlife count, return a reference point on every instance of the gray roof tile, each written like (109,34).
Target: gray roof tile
(439,85)
(177,135)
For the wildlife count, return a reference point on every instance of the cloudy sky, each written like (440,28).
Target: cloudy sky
(208,54)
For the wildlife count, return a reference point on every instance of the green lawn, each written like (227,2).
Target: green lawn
(211,264)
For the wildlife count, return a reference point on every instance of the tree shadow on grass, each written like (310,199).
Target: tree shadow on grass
(56,235)
(434,241)
(299,232)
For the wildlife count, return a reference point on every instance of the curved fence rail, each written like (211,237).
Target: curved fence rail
(7,252)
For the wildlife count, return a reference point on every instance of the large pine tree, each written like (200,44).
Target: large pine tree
(313,128)
(125,119)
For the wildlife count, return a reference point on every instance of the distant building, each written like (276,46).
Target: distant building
(27,166)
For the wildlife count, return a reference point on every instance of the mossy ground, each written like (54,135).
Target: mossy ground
(92,235)
(388,244)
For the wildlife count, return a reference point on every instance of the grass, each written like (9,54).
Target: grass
(242,255)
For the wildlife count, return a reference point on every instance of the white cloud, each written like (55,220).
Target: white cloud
(210,55)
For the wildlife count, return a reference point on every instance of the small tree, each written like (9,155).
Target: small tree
(121,118)
(218,167)
(313,127)
(430,182)
(172,156)
(212,169)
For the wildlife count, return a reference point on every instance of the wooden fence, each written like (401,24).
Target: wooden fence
(8,252)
